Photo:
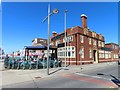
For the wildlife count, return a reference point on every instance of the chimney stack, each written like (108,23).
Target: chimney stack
(54,33)
(84,20)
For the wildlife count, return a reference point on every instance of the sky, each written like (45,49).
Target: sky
(22,21)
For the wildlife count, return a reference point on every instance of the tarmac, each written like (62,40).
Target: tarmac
(13,76)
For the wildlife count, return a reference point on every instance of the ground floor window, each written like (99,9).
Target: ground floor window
(115,55)
(106,55)
(101,54)
(70,52)
(109,55)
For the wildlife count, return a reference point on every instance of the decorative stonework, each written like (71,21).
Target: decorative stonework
(93,34)
(100,36)
(86,31)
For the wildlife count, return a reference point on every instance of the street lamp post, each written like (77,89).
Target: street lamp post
(65,32)
(55,11)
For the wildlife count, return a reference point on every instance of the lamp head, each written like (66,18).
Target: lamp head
(66,10)
(55,11)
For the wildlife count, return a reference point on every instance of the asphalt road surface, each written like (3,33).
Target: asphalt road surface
(97,77)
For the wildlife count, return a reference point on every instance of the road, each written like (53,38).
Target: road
(96,77)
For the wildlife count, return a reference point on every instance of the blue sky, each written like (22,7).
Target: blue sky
(22,22)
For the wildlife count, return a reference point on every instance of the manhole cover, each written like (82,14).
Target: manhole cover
(37,77)
(100,74)
(66,69)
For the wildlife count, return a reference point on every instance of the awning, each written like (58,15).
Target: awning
(35,47)
(39,48)
(106,49)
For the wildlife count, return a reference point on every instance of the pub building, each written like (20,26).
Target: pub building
(83,45)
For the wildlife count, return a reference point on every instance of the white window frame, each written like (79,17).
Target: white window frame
(90,53)
(61,52)
(113,46)
(70,38)
(106,55)
(82,54)
(99,43)
(103,44)
(94,42)
(90,41)
(100,55)
(81,38)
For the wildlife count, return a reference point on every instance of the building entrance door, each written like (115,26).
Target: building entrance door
(95,56)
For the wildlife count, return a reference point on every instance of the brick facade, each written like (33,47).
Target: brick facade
(115,50)
(81,39)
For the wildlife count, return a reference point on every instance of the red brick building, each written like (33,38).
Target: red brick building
(81,39)
(115,50)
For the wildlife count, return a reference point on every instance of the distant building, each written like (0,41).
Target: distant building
(39,42)
(2,53)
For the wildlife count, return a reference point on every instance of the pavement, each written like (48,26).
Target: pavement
(29,78)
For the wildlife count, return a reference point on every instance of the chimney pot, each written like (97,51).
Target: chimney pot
(83,15)
(54,33)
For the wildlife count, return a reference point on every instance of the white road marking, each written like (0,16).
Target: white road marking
(92,76)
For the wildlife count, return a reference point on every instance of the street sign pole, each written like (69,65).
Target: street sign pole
(48,39)
(65,35)
(55,11)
